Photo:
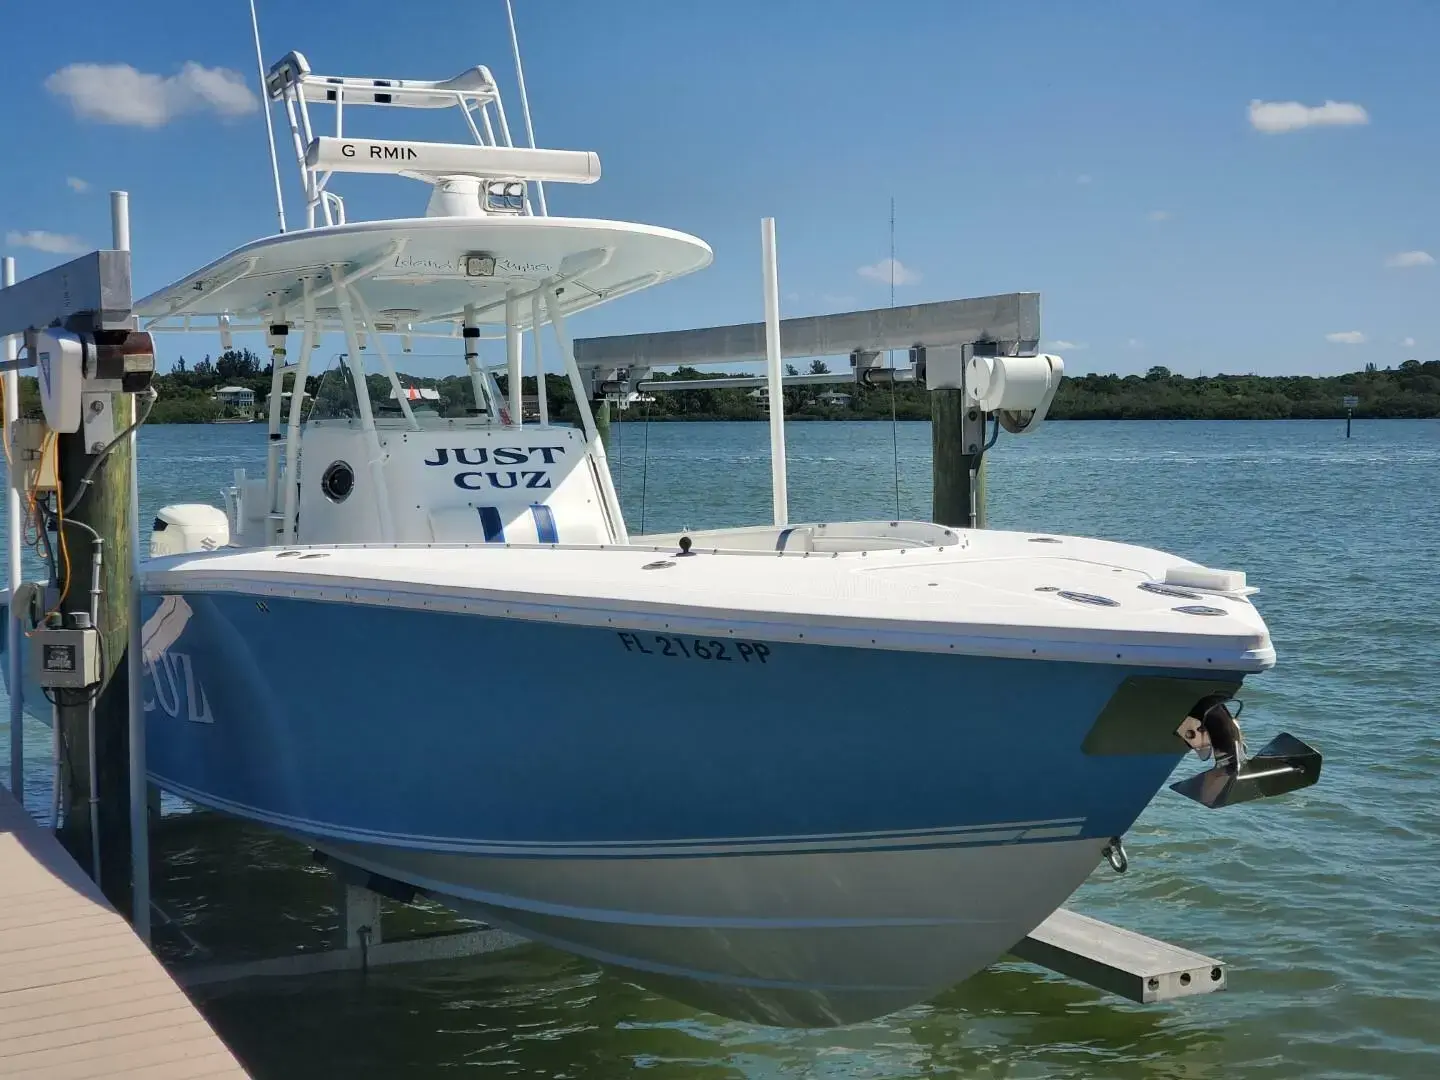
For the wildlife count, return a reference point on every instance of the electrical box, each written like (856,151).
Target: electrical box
(32,470)
(65,659)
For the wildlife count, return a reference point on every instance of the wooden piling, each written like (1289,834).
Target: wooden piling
(105,508)
(601,408)
(957,438)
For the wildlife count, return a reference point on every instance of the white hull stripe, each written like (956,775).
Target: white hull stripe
(957,836)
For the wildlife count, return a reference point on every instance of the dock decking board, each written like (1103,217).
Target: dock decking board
(80,995)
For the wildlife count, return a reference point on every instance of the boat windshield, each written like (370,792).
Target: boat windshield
(432,395)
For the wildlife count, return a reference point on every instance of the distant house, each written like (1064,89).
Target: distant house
(239,398)
(424,399)
(418,393)
(834,399)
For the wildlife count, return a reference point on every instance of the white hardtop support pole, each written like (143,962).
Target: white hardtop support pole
(542,399)
(279,358)
(470,336)
(362,401)
(390,372)
(13,539)
(587,418)
(514,346)
(297,406)
(134,666)
(774,373)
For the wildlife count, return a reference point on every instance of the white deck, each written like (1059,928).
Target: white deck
(80,995)
(980,596)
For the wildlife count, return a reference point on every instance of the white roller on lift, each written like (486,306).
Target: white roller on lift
(1018,388)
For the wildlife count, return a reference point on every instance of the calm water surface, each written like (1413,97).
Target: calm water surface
(1326,904)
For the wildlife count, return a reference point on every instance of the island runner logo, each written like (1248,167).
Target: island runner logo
(431,267)
(494,468)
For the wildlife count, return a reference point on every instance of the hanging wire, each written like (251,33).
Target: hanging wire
(645,460)
(620,453)
(894,420)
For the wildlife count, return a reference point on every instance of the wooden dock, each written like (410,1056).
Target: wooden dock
(80,995)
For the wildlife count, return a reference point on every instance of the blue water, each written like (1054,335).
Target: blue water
(1326,903)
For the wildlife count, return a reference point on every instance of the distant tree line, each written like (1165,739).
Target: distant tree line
(187,395)
(1411,390)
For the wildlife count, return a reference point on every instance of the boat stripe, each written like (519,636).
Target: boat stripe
(958,836)
(490,521)
(545,530)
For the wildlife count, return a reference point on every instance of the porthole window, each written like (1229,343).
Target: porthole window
(338,482)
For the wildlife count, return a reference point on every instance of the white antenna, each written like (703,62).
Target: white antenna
(269,123)
(524,98)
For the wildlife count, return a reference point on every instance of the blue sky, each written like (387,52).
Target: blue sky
(1169,176)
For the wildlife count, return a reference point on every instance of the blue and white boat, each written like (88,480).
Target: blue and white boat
(859,762)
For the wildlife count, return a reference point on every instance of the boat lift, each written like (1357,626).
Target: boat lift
(944,340)
(987,348)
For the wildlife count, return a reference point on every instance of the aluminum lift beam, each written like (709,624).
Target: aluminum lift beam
(1011,319)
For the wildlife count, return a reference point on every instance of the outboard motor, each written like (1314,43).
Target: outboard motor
(1211,729)
(187,527)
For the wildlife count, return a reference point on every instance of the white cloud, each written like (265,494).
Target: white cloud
(1083,178)
(1275,117)
(119,94)
(1159,215)
(1404,260)
(77,185)
(1346,337)
(1135,343)
(880,271)
(40,240)
(1407,343)
(1064,346)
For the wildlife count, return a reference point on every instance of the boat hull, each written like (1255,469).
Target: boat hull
(787,833)
(797,940)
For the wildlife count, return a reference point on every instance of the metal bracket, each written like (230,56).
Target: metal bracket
(972,419)
(98,418)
